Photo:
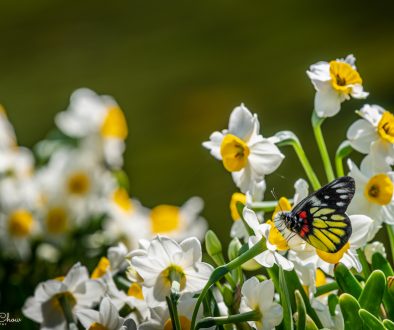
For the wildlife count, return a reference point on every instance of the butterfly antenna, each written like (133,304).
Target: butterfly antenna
(276,198)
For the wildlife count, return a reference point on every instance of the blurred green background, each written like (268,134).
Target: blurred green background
(178,69)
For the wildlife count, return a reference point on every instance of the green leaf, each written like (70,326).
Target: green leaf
(293,283)
(380,262)
(350,307)
(372,293)
(389,325)
(333,301)
(301,311)
(285,301)
(370,320)
(310,325)
(346,281)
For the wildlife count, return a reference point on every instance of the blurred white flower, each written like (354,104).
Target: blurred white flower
(76,288)
(7,133)
(107,317)
(335,82)
(99,118)
(259,296)
(76,179)
(244,152)
(330,322)
(375,128)
(165,262)
(372,248)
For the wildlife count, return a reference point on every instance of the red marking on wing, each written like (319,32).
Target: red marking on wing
(304,230)
(302,214)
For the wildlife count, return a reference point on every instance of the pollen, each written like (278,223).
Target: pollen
(20,223)
(343,76)
(114,125)
(235,199)
(78,183)
(135,291)
(122,200)
(386,127)
(56,220)
(379,189)
(101,268)
(165,218)
(235,153)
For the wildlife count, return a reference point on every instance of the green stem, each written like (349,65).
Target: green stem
(221,271)
(320,290)
(267,206)
(220,320)
(173,313)
(64,303)
(343,151)
(288,138)
(316,124)
(364,263)
(390,233)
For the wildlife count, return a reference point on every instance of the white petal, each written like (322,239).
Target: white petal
(264,158)
(360,228)
(214,143)
(251,219)
(250,293)
(372,113)
(301,190)
(241,123)
(266,293)
(76,275)
(193,245)
(361,134)
(87,316)
(358,92)
(327,101)
(273,317)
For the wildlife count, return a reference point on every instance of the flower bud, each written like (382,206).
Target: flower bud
(212,243)
(233,248)
(390,285)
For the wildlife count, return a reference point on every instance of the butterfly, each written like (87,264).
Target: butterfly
(320,218)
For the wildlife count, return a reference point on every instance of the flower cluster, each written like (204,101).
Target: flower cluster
(307,261)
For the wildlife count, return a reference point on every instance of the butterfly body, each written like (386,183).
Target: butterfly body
(320,219)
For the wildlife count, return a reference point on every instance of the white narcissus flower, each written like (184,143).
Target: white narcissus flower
(7,133)
(98,118)
(330,322)
(374,193)
(107,317)
(270,256)
(259,297)
(375,128)
(165,262)
(76,288)
(335,82)
(243,150)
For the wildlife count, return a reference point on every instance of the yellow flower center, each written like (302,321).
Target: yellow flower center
(56,220)
(165,218)
(379,189)
(185,323)
(114,125)
(78,183)
(122,200)
(235,199)
(101,268)
(275,237)
(333,258)
(342,75)
(55,300)
(97,326)
(234,153)
(135,290)
(20,223)
(173,273)
(386,127)
(59,278)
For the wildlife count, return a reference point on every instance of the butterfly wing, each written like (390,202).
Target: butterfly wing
(322,218)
